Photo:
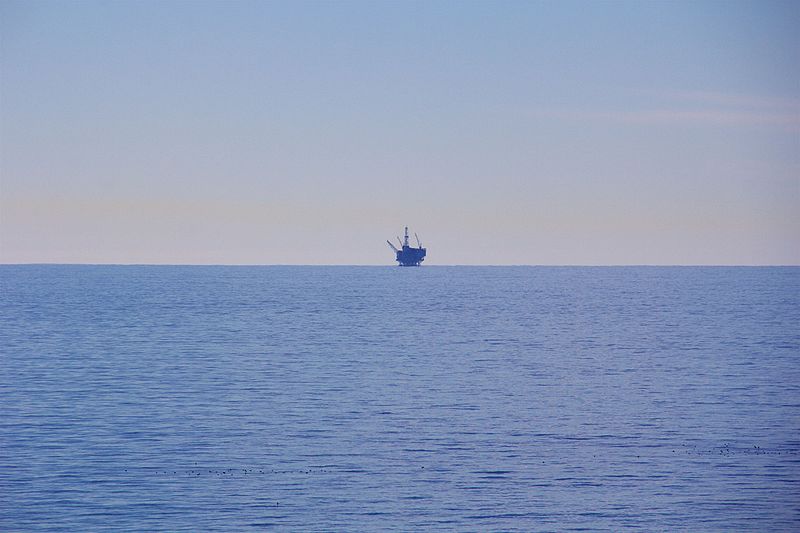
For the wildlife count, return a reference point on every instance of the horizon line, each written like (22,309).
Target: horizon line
(510,265)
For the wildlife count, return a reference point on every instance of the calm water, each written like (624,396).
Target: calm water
(364,398)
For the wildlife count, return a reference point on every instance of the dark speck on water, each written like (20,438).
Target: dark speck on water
(367,398)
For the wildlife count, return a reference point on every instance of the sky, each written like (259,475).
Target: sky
(541,133)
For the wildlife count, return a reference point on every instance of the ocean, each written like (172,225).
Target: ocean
(194,398)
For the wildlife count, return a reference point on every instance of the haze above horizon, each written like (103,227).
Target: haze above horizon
(535,133)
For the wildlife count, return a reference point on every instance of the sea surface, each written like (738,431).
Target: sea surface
(194,398)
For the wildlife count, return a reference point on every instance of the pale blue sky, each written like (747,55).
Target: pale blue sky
(503,132)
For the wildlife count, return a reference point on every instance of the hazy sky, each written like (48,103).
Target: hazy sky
(502,132)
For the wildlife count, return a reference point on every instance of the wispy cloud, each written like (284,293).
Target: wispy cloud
(696,108)
(732,100)
(678,116)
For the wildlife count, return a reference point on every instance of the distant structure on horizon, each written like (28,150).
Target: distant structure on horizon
(407,256)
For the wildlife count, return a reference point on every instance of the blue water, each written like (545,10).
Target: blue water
(366,398)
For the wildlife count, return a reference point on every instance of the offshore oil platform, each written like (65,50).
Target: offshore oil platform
(406,255)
